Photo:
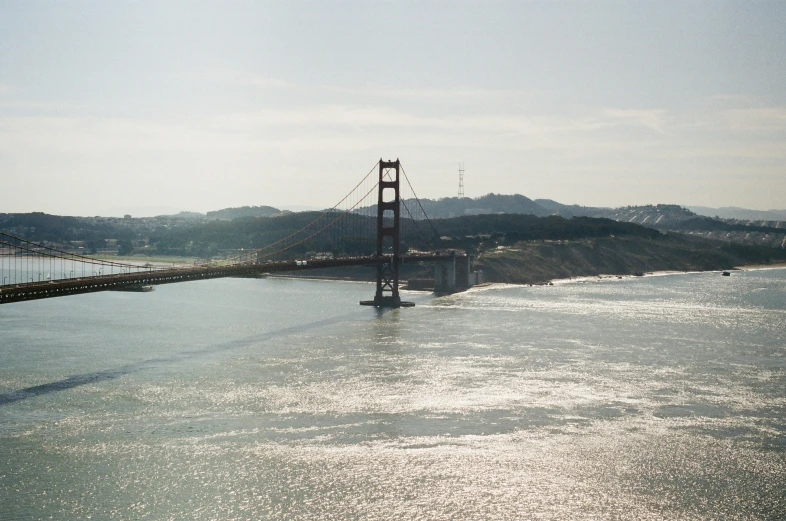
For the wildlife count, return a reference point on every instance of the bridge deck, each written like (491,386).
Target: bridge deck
(73,286)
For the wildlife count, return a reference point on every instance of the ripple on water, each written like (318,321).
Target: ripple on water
(638,399)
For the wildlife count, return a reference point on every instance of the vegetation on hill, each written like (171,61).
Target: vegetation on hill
(473,233)
(664,217)
(448,207)
(92,232)
(742,214)
(535,262)
(228,214)
(511,247)
(518,227)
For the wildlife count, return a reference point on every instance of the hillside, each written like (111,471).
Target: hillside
(475,225)
(228,214)
(448,207)
(741,214)
(510,247)
(675,218)
(536,262)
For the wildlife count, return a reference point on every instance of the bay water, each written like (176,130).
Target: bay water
(660,397)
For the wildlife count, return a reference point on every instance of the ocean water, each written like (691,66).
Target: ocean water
(660,397)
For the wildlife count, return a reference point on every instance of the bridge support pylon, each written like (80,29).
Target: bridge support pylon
(388,238)
(445,279)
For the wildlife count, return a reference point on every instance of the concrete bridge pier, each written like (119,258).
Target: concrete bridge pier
(453,274)
(445,276)
(464,272)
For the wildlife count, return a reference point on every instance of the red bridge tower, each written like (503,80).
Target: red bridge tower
(388,238)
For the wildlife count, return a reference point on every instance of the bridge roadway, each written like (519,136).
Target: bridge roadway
(125,281)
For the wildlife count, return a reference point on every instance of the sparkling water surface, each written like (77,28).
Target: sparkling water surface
(660,397)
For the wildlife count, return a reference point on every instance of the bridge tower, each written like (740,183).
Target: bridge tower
(388,238)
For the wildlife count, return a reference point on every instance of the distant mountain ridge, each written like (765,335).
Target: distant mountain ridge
(228,214)
(733,212)
(568,210)
(658,215)
(97,232)
(648,215)
(663,217)
(448,207)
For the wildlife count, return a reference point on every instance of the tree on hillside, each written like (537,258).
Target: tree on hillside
(124,247)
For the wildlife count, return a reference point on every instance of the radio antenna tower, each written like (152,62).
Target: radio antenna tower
(461,180)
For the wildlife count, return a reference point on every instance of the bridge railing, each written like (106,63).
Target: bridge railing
(25,262)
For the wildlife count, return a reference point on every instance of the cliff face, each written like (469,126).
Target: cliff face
(535,262)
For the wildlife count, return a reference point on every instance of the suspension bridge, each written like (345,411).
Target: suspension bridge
(377,224)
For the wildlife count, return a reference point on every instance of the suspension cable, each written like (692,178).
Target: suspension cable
(324,214)
(67,255)
(436,233)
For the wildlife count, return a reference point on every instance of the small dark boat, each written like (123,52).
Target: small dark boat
(726,274)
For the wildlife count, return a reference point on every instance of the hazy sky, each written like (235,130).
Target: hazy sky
(109,107)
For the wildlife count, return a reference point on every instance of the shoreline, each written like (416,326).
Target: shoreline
(663,273)
(552,282)
(758,267)
(546,282)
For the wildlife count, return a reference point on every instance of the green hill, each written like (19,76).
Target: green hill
(535,262)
